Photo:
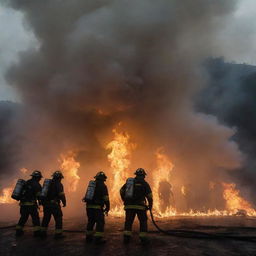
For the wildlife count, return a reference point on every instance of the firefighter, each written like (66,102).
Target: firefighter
(135,204)
(51,205)
(96,208)
(165,195)
(28,204)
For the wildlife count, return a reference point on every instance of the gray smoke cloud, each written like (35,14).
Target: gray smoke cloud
(136,62)
(230,95)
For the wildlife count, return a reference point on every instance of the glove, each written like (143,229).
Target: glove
(106,210)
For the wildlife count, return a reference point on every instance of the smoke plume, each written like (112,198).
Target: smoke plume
(137,62)
(230,95)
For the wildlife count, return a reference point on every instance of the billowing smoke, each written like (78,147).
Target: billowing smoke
(230,95)
(10,141)
(108,61)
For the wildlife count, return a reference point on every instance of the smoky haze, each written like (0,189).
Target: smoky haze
(136,62)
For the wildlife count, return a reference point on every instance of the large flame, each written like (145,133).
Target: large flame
(119,159)
(162,174)
(70,168)
(5,198)
(234,202)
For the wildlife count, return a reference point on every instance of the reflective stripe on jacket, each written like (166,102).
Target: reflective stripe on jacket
(134,206)
(93,206)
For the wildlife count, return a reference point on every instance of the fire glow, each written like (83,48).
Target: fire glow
(6,196)
(162,174)
(70,169)
(234,202)
(119,157)
(119,161)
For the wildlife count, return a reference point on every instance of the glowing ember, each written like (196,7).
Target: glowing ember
(70,168)
(119,161)
(234,202)
(6,196)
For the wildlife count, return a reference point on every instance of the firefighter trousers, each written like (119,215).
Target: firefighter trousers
(25,212)
(56,211)
(95,216)
(130,215)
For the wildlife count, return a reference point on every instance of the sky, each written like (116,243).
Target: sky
(238,40)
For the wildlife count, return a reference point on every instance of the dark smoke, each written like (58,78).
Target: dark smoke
(230,95)
(10,140)
(138,62)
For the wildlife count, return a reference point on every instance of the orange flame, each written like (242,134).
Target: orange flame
(234,202)
(183,190)
(162,174)
(119,161)
(70,168)
(6,197)
(7,192)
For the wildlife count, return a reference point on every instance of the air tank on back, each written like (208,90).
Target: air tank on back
(129,188)
(90,190)
(17,192)
(46,186)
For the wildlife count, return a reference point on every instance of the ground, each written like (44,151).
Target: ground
(160,244)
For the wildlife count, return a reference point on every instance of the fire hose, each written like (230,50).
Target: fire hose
(198,234)
(184,233)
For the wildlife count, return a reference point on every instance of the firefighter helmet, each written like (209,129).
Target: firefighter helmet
(101,176)
(57,175)
(36,174)
(140,172)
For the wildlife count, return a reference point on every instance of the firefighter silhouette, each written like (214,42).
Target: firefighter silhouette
(165,195)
